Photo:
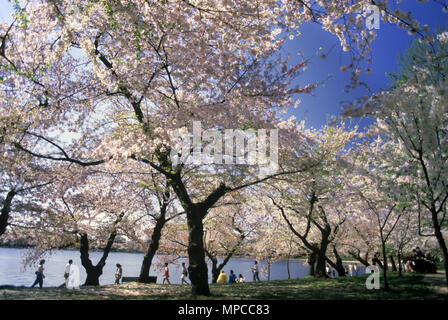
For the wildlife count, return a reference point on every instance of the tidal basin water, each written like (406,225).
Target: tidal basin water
(12,271)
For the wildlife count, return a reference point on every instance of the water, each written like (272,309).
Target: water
(12,273)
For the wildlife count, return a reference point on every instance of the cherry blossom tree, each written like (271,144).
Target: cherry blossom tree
(107,83)
(85,209)
(22,182)
(413,115)
(311,203)
(157,204)
(227,230)
(382,201)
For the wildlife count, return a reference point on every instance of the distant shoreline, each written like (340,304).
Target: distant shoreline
(345,260)
(71,249)
(138,252)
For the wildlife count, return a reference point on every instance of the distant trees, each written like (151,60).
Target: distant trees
(411,116)
(313,204)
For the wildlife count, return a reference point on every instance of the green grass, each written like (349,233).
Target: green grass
(409,286)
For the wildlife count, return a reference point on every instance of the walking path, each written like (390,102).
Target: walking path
(437,282)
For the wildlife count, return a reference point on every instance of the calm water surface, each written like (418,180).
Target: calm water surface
(13,273)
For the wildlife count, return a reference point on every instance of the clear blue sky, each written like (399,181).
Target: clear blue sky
(390,42)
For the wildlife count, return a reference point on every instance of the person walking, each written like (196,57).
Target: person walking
(184,274)
(232,277)
(39,274)
(350,269)
(67,272)
(255,271)
(355,269)
(166,274)
(222,278)
(118,273)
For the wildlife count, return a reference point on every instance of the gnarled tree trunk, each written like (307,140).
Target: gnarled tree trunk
(357,256)
(94,272)
(392,261)
(155,239)
(311,262)
(151,252)
(6,209)
(339,266)
(441,240)
(197,267)
(321,253)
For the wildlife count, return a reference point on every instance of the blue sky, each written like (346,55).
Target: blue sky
(389,44)
(391,41)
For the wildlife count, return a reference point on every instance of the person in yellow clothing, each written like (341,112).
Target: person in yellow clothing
(222,277)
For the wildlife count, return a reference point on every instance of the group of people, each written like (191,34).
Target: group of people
(166,274)
(222,278)
(351,269)
(183,276)
(417,254)
(67,271)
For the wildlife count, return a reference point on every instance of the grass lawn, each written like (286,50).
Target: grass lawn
(409,286)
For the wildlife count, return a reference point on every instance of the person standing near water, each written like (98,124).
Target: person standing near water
(184,274)
(350,269)
(39,274)
(255,271)
(166,274)
(118,273)
(232,277)
(222,278)
(67,271)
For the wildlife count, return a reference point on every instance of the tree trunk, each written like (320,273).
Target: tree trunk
(269,271)
(215,271)
(386,281)
(441,240)
(4,216)
(152,249)
(376,261)
(400,266)
(392,261)
(339,266)
(358,257)
(93,275)
(321,258)
(197,267)
(321,271)
(94,272)
(287,268)
(311,263)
